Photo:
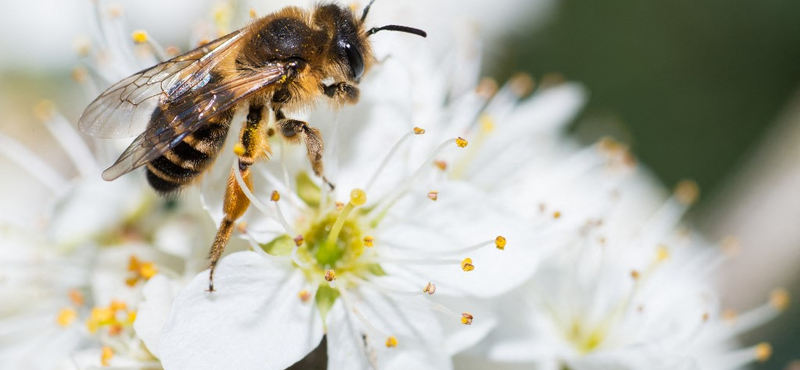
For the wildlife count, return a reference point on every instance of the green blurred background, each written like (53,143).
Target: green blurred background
(691,85)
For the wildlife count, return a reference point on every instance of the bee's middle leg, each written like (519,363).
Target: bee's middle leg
(295,131)
(253,147)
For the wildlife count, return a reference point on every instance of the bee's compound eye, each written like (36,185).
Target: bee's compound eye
(355,59)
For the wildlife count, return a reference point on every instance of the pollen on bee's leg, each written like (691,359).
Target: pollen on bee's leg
(239,149)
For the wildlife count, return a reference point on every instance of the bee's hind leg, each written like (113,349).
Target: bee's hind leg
(251,147)
(295,131)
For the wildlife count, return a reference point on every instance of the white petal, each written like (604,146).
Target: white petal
(410,319)
(254,319)
(152,313)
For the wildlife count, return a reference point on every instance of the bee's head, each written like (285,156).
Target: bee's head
(351,50)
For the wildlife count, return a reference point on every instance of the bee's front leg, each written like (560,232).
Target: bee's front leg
(294,131)
(341,93)
(252,146)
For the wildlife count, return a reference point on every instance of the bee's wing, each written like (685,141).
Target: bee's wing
(194,109)
(126,107)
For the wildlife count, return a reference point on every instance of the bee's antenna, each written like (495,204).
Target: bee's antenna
(393,27)
(366,10)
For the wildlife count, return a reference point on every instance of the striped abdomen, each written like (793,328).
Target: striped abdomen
(191,157)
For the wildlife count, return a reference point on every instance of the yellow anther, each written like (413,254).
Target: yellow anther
(117,305)
(730,246)
(487,123)
(662,253)
(729,315)
(419,131)
(635,274)
(66,316)
(467,265)
(339,206)
(556,215)
(687,192)
(391,342)
(763,351)
(115,329)
(304,296)
(298,240)
(148,270)
(82,47)
(466,318)
(106,355)
(253,13)
(239,149)
(487,87)
(275,196)
(44,110)
(369,241)
(76,297)
(430,288)
(461,142)
(521,84)
(433,195)
(242,227)
(131,317)
(139,36)
(779,298)
(79,74)
(330,275)
(500,242)
(358,197)
(441,165)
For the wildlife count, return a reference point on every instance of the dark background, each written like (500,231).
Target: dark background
(691,85)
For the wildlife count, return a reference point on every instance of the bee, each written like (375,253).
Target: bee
(182,109)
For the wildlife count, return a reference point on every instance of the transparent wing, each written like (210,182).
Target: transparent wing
(177,119)
(125,109)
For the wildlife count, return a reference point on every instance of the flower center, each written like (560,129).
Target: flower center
(334,247)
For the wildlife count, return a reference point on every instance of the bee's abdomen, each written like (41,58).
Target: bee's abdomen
(191,157)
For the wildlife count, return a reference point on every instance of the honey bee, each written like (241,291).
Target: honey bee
(182,109)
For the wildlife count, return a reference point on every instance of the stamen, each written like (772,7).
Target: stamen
(687,192)
(76,297)
(346,300)
(304,296)
(66,317)
(778,302)
(392,152)
(357,198)
(441,165)
(369,241)
(275,196)
(763,351)
(28,161)
(500,242)
(433,195)
(391,342)
(139,36)
(67,138)
(330,275)
(466,318)
(106,355)
(430,288)
(466,264)
(389,201)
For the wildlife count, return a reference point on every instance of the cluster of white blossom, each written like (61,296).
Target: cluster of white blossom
(464,223)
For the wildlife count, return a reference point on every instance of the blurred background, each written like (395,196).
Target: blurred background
(701,90)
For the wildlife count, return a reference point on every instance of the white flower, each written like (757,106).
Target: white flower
(630,288)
